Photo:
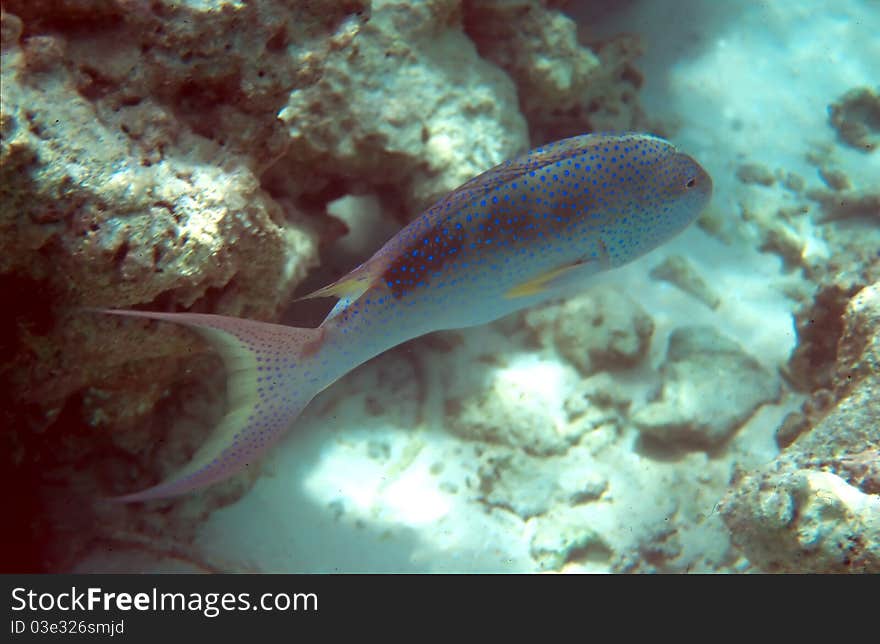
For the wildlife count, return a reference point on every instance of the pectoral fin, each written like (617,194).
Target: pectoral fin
(566,276)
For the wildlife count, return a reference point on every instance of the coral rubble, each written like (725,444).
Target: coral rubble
(856,117)
(600,330)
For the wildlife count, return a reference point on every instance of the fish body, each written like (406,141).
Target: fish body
(529,230)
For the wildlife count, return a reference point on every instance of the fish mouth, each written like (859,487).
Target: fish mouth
(708,184)
(708,188)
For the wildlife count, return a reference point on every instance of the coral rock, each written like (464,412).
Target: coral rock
(856,117)
(816,508)
(710,388)
(602,330)
(805,521)
(563,85)
(409,103)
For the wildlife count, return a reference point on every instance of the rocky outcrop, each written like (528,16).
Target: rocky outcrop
(816,508)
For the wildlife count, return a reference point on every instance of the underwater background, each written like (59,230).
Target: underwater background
(711,407)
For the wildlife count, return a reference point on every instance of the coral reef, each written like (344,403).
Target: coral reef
(816,507)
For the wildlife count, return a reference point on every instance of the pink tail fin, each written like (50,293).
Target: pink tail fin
(270,379)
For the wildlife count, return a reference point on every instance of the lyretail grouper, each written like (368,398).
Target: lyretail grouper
(531,229)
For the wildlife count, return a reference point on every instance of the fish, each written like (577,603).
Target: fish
(532,229)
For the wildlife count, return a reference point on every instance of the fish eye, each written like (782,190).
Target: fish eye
(691,182)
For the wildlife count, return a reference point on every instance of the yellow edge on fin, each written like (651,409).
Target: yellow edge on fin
(349,287)
(538,284)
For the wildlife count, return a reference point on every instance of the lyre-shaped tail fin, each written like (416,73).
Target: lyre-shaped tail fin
(271,377)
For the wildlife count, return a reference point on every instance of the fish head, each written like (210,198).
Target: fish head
(660,191)
(684,189)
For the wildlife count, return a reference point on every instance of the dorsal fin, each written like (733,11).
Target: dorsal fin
(518,166)
(349,287)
